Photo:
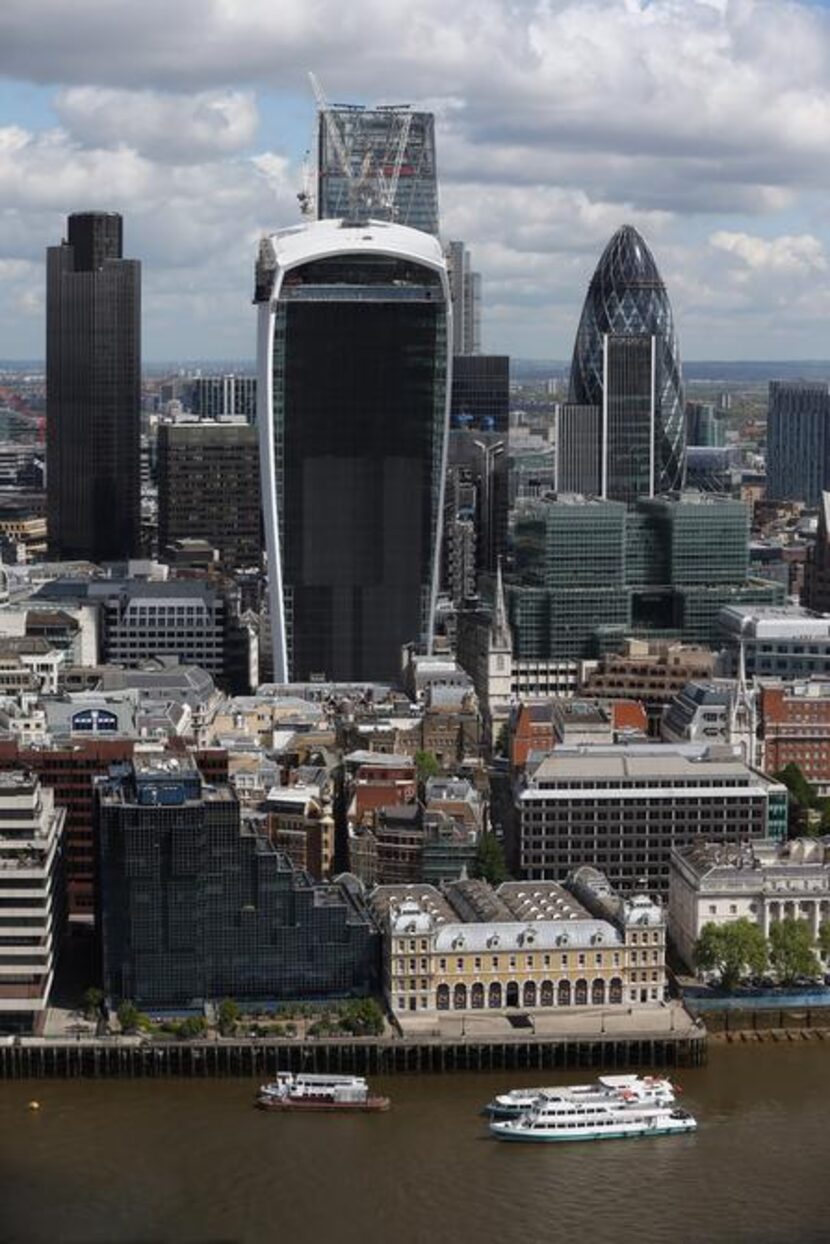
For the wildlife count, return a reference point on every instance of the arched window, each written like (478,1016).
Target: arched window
(563,993)
(512,994)
(477,996)
(598,993)
(459,997)
(494,996)
(615,990)
(581,993)
(546,993)
(442,997)
(529,993)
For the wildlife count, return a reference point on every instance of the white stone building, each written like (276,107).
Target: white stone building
(762,881)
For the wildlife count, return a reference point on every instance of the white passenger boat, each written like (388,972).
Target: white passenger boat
(319,1092)
(560,1117)
(632,1088)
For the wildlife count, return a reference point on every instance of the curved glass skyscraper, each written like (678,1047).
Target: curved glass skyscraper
(355,333)
(626,362)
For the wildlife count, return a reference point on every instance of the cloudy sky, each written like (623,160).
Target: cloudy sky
(704,122)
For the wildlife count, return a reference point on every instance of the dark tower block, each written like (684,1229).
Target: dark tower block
(93,378)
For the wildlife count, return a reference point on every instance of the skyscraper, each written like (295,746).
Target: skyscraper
(355,329)
(627,299)
(386,157)
(798,441)
(465,285)
(93,391)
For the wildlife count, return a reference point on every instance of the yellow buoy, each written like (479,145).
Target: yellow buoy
(34,1105)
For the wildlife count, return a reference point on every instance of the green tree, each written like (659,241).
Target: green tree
(228,1015)
(824,939)
(363,1017)
(796,783)
(129,1016)
(791,953)
(427,765)
(734,951)
(193,1026)
(489,863)
(92,1001)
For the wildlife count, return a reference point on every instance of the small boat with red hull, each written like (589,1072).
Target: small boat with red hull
(311,1092)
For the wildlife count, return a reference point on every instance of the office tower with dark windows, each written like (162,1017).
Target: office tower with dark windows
(481,392)
(578,442)
(355,330)
(385,156)
(217,397)
(627,299)
(798,441)
(195,901)
(704,425)
(93,382)
(208,489)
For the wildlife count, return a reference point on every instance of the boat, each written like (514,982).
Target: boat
(652,1089)
(312,1092)
(560,1117)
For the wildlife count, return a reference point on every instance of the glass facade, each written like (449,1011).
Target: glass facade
(481,392)
(627,298)
(628,417)
(371,138)
(195,903)
(359,408)
(798,441)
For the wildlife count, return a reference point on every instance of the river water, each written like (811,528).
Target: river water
(190,1162)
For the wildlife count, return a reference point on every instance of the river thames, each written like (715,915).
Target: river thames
(190,1162)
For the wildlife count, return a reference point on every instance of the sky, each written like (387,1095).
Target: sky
(705,123)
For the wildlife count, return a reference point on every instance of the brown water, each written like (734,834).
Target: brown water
(129,1161)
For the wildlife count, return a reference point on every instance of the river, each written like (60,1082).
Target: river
(190,1162)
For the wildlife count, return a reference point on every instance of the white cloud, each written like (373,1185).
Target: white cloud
(801,255)
(177,128)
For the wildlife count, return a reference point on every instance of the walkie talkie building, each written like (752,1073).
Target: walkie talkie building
(627,298)
(354,357)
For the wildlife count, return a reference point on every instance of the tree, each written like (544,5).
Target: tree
(92,1001)
(796,783)
(791,951)
(129,1016)
(427,765)
(228,1015)
(824,939)
(362,1017)
(489,863)
(732,950)
(193,1026)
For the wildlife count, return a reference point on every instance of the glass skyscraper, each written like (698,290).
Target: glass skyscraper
(93,391)
(355,330)
(798,441)
(627,298)
(380,144)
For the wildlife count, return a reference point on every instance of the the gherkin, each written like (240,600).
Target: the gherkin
(627,298)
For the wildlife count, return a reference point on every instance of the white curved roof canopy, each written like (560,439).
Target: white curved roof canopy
(319,239)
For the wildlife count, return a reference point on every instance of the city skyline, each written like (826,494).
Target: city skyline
(725,178)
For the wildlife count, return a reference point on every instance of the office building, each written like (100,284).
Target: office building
(354,356)
(763,882)
(589,572)
(208,489)
(578,440)
(465,288)
(196,902)
(32,903)
(483,460)
(481,392)
(623,808)
(779,641)
(704,425)
(93,382)
(221,397)
(389,171)
(626,362)
(798,441)
(467,947)
(815,592)
(795,726)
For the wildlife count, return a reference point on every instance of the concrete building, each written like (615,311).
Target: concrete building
(623,808)
(32,899)
(784,641)
(763,881)
(208,489)
(467,947)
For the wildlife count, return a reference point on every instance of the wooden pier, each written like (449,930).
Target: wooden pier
(28,1058)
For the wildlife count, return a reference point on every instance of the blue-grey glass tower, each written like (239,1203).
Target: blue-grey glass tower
(798,441)
(627,298)
(355,332)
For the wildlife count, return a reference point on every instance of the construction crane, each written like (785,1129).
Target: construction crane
(370,189)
